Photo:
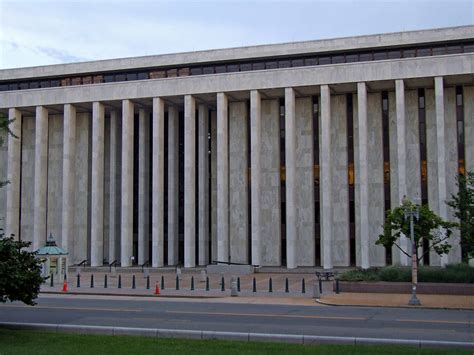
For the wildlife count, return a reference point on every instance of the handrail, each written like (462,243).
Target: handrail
(83,262)
(215,262)
(113,263)
(143,265)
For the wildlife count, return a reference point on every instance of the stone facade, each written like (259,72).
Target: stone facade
(76,177)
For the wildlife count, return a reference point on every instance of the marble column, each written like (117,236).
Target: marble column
(203,181)
(97,196)
(290,171)
(143,185)
(222,178)
(114,210)
(41,173)
(401,155)
(158,183)
(126,247)
(13,175)
(255,149)
(441,156)
(189,181)
(363,178)
(173,166)
(326,183)
(69,173)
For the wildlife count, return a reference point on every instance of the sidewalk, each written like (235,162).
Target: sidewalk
(278,294)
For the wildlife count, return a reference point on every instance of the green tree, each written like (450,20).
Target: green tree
(428,226)
(20,272)
(463,205)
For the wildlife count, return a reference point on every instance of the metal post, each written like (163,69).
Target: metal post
(92,280)
(52,280)
(133,282)
(238,284)
(207,283)
(162,282)
(303,286)
(120,282)
(337,286)
(192,283)
(222,284)
(78,280)
(287,287)
(105,281)
(320,285)
(270,285)
(254,285)
(148,282)
(177,282)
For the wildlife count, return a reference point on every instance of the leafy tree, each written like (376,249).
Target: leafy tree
(463,205)
(428,226)
(20,272)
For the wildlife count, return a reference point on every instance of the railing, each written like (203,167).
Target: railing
(144,264)
(215,262)
(113,263)
(82,263)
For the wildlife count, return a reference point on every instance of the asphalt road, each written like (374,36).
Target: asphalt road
(399,323)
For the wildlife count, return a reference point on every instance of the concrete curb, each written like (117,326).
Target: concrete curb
(241,336)
(324,303)
(151,295)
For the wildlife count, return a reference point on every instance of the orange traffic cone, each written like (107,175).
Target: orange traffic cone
(157,289)
(65,285)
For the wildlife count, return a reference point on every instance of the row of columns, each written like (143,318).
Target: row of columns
(157,230)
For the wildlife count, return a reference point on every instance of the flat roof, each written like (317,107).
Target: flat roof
(245,53)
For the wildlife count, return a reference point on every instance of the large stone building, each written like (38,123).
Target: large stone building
(276,155)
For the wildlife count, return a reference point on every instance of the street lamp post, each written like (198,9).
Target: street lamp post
(411,214)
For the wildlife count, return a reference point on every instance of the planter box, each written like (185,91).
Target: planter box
(405,287)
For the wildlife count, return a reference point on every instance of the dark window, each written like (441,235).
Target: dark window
(311,61)
(284,64)
(245,67)
(297,63)
(271,65)
(196,71)
(258,66)
(338,59)
(409,53)
(324,60)
(364,57)
(120,77)
(54,83)
(109,78)
(131,76)
(469,48)
(3,87)
(232,68)
(350,58)
(394,54)
(142,76)
(423,52)
(45,84)
(208,70)
(24,86)
(453,49)
(380,55)
(439,50)
(34,85)
(220,69)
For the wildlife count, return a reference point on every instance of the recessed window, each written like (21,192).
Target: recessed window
(337,59)
(284,64)
(271,65)
(109,78)
(324,60)
(364,57)
(311,61)
(423,52)
(208,70)
(453,49)
(380,55)
(232,68)
(258,66)
(120,77)
(350,58)
(196,71)
(220,69)
(394,54)
(297,63)
(245,67)
(409,53)
(142,76)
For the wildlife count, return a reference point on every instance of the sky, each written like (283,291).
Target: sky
(44,32)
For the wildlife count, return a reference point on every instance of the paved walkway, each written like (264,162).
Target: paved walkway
(295,294)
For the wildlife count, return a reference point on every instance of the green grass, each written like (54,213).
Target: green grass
(459,273)
(31,342)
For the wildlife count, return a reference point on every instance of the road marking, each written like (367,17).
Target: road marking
(73,308)
(432,321)
(266,315)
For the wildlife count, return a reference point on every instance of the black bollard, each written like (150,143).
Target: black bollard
(52,281)
(177,282)
(92,280)
(105,281)
(133,282)
(120,282)
(192,283)
(65,277)
(148,282)
(270,285)
(162,282)
(337,286)
(287,287)
(78,280)
(320,286)
(238,284)
(303,287)
(222,284)
(254,285)
(207,283)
